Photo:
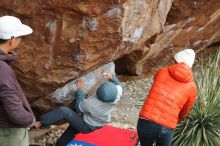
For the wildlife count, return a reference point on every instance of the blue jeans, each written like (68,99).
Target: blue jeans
(76,123)
(150,132)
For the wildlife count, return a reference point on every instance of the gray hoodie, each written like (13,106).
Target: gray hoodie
(15,111)
(95,112)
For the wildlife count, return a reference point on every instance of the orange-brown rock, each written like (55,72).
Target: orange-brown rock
(190,23)
(73,38)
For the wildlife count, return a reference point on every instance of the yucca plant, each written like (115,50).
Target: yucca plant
(202,125)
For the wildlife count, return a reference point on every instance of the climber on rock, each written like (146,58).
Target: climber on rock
(96,110)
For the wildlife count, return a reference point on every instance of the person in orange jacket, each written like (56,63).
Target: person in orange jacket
(171,97)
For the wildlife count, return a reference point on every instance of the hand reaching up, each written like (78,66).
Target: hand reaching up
(80,84)
(107,75)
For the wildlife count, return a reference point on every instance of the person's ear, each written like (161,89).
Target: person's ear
(11,42)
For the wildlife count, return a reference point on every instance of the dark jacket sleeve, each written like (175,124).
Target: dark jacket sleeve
(79,98)
(13,105)
(115,80)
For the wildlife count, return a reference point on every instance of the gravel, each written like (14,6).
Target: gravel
(127,110)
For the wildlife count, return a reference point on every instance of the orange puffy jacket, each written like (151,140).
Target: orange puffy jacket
(172,95)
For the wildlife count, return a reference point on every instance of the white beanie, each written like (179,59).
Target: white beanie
(11,27)
(187,56)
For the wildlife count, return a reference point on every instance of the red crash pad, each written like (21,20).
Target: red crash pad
(109,136)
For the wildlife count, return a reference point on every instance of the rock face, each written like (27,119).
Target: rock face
(72,38)
(66,94)
(190,23)
(91,79)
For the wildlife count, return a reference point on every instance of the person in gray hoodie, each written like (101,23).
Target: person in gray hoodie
(96,110)
(16,115)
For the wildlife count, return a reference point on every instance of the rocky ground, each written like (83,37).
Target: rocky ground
(125,115)
(127,110)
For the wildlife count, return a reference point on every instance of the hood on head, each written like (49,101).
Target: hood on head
(181,72)
(107,92)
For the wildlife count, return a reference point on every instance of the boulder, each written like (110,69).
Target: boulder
(74,39)
(189,24)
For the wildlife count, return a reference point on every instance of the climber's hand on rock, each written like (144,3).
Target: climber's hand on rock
(80,84)
(107,75)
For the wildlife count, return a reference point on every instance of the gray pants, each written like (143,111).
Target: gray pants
(14,137)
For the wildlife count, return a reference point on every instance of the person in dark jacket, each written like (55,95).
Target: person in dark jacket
(96,110)
(15,113)
(171,97)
